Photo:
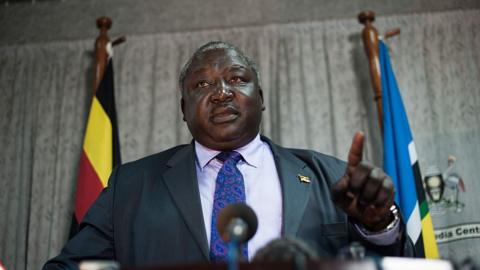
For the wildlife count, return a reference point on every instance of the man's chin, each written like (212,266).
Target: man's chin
(225,142)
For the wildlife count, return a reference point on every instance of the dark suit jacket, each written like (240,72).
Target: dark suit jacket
(151,214)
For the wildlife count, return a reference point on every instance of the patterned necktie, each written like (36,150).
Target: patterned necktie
(229,188)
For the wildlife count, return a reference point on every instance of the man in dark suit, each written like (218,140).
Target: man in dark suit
(158,210)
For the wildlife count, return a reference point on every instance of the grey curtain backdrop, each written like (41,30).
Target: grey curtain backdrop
(317,93)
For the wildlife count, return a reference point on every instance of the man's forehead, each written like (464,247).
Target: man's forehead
(218,56)
(216,51)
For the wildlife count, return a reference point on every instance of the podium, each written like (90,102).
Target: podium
(387,263)
(329,264)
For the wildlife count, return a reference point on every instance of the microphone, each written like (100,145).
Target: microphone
(237,222)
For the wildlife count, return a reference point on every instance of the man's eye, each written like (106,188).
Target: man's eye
(236,80)
(202,84)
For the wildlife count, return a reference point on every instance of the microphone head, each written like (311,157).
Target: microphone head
(231,214)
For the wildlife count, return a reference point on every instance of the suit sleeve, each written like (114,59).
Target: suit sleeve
(95,237)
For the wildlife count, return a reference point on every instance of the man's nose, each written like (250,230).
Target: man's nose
(222,93)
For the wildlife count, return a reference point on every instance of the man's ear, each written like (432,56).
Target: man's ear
(260,91)
(182,106)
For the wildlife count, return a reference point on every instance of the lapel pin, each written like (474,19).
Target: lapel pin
(303,178)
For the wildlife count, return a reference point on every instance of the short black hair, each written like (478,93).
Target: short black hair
(212,45)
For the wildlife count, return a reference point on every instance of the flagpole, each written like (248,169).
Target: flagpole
(370,39)
(101,55)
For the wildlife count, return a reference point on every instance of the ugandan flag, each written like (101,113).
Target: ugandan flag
(400,162)
(101,150)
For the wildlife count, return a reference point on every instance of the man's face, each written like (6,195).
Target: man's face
(221,100)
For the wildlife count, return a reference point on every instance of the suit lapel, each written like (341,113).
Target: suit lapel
(295,193)
(181,181)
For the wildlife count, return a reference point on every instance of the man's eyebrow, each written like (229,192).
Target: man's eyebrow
(199,70)
(237,66)
(203,70)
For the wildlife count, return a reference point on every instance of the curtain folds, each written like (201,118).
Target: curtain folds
(317,93)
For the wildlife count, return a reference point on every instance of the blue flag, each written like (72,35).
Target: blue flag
(400,162)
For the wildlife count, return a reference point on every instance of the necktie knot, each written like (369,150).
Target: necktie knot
(229,156)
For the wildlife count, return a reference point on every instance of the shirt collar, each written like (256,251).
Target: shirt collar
(250,152)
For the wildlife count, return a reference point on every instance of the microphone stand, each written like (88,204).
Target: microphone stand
(232,255)
(237,231)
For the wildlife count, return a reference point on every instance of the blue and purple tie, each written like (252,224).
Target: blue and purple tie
(229,188)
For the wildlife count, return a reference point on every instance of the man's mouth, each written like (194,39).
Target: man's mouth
(223,115)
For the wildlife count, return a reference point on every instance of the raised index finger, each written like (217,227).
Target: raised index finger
(356,150)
